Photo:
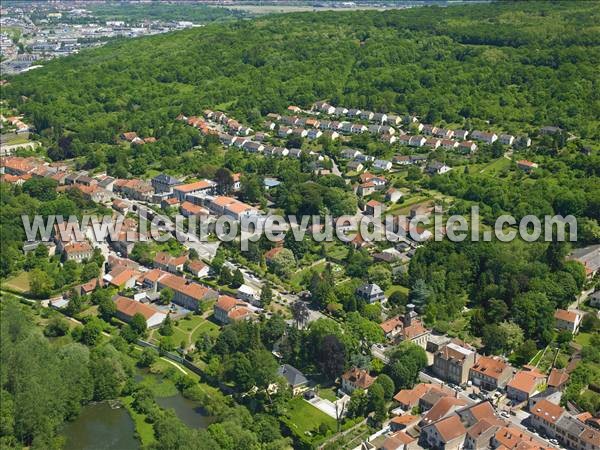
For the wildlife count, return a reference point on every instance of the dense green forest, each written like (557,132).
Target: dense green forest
(516,65)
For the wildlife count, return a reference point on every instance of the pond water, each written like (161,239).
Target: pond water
(101,427)
(188,411)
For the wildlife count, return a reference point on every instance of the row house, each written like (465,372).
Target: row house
(488,138)
(228,309)
(134,189)
(202,187)
(555,422)
(187,294)
(453,362)
(164,183)
(467,147)
(491,373)
(168,263)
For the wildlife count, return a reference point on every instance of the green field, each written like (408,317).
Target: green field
(19,283)
(304,419)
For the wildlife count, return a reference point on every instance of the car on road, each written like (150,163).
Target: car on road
(473,396)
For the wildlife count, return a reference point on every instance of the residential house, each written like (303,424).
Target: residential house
(467,147)
(204,187)
(300,132)
(189,209)
(567,320)
(294,109)
(437,168)
(249,294)
(126,308)
(409,398)
(364,158)
(449,144)
(490,373)
(526,166)
(134,189)
(293,377)
(367,115)
(444,406)
(197,268)
(506,139)
(129,136)
(416,141)
(253,147)
(524,384)
(373,207)
(401,160)
(121,277)
(366,188)
(595,299)
(382,164)
(340,111)
(448,434)
(380,118)
(77,251)
(354,113)
(173,264)
(429,130)
(295,153)
(523,141)
(443,133)
(371,293)
(188,294)
(349,153)
(228,310)
(550,130)
(356,378)
(314,134)
(388,138)
(394,119)
(374,129)
(588,256)
(433,143)
(418,159)
(358,128)
(355,166)
(393,195)
(488,138)
(453,362)
(284,131)
(461,135)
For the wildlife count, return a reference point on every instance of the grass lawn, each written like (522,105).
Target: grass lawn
(537,358)
(144,430)
(160,387)
(302,417)
(297,278)
(327,394)
(583,338)
(495,167)
(19,283)
(395,287)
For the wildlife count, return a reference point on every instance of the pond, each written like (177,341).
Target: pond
(101,427)
(188,411)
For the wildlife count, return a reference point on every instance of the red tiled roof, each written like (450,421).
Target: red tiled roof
(359,378)
(489,366)
(566,316)
(441,408)
(526,381)
(547,411)
(450,428)
(130,307)
(190,187)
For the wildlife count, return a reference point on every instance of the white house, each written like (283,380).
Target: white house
(382,164)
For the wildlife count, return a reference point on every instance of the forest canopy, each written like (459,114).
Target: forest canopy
(511,67)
